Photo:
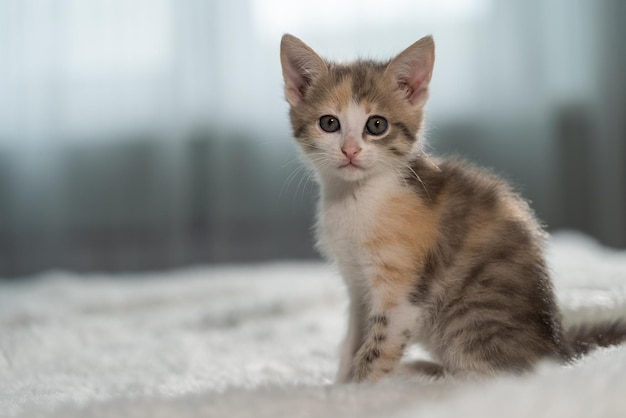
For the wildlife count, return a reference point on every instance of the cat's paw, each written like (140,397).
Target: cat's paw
(368,366)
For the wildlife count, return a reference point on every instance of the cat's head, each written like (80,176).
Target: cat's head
(359,119)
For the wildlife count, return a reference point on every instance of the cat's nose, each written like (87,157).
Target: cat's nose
(350,149)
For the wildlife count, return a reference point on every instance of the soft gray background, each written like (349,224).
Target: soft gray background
(147,134)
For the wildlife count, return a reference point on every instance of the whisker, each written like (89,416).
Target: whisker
(305,179)
(289,179)
(418,179)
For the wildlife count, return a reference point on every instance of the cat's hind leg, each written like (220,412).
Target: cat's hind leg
(489,346)
(423,368)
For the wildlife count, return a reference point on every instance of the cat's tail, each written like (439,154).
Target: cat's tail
(583,338)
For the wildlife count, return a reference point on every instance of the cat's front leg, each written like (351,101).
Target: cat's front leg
(388,334)
(353,339)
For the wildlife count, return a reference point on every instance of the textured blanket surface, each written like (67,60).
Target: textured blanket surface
(262,341)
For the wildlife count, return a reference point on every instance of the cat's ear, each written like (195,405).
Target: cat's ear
(301,65)
(412,70)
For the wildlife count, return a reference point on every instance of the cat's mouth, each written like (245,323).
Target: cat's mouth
(350,165)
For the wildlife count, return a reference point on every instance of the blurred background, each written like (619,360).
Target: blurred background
(148,134)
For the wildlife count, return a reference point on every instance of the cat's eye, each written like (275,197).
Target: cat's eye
(376,125)
(329,123)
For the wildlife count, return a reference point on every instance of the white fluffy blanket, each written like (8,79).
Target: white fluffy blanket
(261,341)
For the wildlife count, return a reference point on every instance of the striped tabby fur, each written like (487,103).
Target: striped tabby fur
(432,251)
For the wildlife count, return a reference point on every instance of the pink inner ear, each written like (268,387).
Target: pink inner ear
(295,83)
(415,84)
(300,66)
(416,96)
(412,70)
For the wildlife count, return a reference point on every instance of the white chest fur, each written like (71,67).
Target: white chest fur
(346,221)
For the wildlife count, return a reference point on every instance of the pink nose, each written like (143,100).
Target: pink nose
(350,150)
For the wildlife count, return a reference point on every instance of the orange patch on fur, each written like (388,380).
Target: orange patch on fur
(342,95)
(406,231)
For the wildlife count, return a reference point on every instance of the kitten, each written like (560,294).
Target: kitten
(432,251)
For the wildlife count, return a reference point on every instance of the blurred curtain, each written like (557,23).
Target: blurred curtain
(132,136)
